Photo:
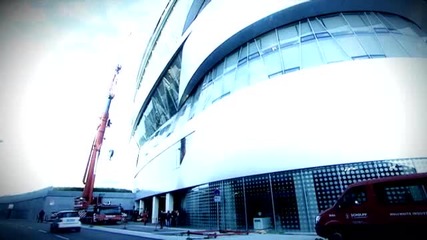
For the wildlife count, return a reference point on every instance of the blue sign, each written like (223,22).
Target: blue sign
(216,192)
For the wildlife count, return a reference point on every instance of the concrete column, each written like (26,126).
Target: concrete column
(169,202)
(155,210)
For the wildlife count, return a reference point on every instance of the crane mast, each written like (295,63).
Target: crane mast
(87,197)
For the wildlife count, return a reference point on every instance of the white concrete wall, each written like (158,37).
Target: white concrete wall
(344,112)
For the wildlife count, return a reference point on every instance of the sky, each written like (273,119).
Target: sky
(58,58)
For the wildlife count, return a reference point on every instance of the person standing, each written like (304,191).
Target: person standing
(176,217)
(168,218)
(173,219)
(162,218)
(145,217)
(40,217)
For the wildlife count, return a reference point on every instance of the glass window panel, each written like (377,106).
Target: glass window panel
(288,34)
(140,132)
(195,106)
(150,122)
(336,25)
(370,44)
(268,40)
(311,55)
(184,114)
(305,28)
(394,21)
(207,79)
(415,47)
(257,70)
(385,21)
(218,70)
(242,76)
(332,51)
(291,57)
(243,54)
(206,96)
(201,101)
(253,49)
(391,47)
(350,45)
(402,26)
(231,61)
(272,63)
(229,83)
(217,89)
(316,25)
(357,22)
(374,21)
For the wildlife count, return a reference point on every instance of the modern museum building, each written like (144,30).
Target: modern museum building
(257,114)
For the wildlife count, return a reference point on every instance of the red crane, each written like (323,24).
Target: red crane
(92,209)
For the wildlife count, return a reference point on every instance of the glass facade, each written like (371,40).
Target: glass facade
(163,104)
(290,199)
(307,43)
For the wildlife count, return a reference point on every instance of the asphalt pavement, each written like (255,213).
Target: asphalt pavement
(177,233)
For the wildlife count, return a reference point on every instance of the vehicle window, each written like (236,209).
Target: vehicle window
(355,196)
(402,193)
(68,214)
(110,211)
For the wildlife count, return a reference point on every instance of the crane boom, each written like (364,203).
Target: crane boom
(87,199)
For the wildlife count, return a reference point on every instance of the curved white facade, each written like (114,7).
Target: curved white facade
(370,110)
(261,87)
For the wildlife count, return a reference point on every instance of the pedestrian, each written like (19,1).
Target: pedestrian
(173,218)
(145,217)
(40,217)
(168,218)
(176,217)
(135,215)
(162,218)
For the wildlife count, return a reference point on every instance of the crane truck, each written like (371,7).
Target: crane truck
(90,208)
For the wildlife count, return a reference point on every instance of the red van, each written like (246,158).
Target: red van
(390,207)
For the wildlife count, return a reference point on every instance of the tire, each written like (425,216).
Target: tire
(78,229)
(336,236)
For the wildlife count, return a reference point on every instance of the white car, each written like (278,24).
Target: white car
(66,220)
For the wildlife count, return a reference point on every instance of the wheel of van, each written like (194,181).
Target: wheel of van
(336,236)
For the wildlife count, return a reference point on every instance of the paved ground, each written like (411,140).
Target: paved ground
(138,229)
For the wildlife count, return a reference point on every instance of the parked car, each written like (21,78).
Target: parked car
(65,220)
(385,208)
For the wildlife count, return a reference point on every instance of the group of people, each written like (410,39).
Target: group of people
(168,219)
(165,218)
